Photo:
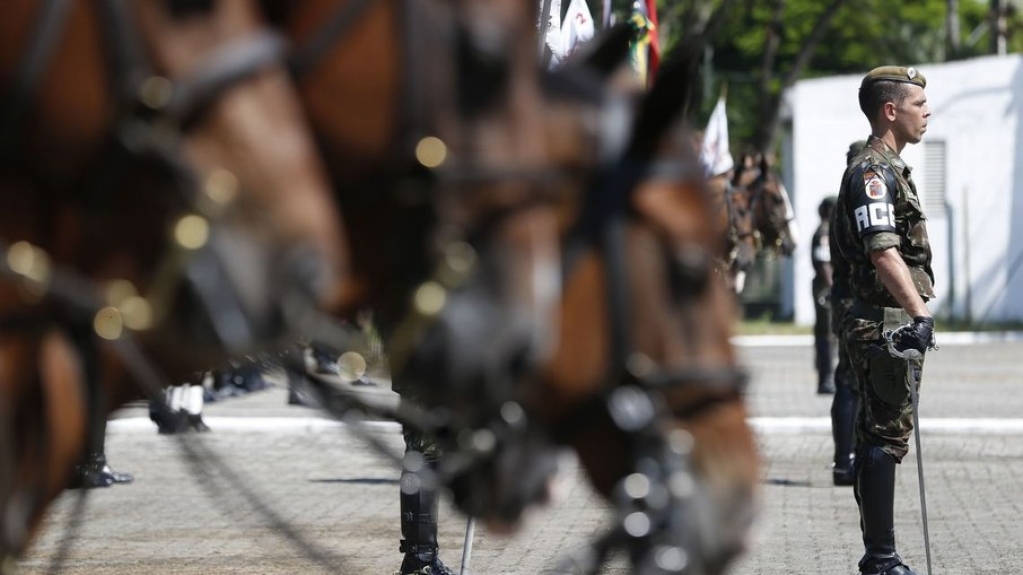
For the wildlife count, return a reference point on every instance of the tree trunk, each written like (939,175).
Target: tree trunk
(952,34)
(767,128)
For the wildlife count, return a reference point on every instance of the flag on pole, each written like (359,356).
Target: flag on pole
(655,43)
(644,51)
(552,52)
(715,153)
(577,27)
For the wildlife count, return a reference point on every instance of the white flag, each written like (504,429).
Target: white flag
(715,154)
(577,27)
(550,29)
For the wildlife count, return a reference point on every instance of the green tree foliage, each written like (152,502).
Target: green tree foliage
(862,34)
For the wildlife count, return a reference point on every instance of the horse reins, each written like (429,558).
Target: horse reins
(633,396)
(153,112)
(758,189)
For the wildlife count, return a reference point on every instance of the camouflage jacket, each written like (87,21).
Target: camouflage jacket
(878,208)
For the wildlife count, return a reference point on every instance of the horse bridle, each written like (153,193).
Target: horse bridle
(758,188)
(633,390)
(732,215)
(633,395)
(153,113)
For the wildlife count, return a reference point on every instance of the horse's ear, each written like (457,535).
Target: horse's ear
(605,53)
(666,99)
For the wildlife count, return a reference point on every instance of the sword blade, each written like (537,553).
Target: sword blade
(914,369)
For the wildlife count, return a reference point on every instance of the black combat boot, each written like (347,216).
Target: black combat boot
(843,414)
(325,359)
(419,531)
(95,472)
(875,494)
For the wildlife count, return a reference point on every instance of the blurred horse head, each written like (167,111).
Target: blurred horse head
(158,185)
(430,117)
(643,383)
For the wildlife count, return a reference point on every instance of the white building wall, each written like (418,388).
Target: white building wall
(978,241)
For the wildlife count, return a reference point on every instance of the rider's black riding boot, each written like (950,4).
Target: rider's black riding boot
(325,359)
(93,471)
(875,494)
(419,531)
(843,414)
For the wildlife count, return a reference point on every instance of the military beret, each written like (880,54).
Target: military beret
(908,75)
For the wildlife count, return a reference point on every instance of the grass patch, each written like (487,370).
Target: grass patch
(769,327)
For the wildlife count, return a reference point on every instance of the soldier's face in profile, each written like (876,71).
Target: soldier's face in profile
(911,115)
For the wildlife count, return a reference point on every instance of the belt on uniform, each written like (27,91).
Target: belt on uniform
(892,317)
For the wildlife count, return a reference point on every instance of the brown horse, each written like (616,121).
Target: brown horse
(649,392)
(643,383)
(158,189)
(773,217)
(734,216)
(436,148)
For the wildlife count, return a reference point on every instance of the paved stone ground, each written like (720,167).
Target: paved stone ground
(342,497)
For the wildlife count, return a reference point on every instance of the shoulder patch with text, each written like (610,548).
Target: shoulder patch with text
(871,202)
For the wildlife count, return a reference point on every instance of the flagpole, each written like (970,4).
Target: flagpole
(545,24)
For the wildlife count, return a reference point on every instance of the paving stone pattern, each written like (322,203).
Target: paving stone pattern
(342,497)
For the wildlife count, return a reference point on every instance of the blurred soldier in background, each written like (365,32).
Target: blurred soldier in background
(846,399)
(823,339)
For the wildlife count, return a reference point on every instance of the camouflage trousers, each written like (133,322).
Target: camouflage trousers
(885,416)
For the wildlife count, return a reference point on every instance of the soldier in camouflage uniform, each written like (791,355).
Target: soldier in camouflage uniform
(844,403)
(418,502)
(820,287)
(879,236)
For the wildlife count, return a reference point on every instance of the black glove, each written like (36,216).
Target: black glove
(918,335)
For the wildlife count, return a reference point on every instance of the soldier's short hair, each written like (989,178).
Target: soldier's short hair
(887,84)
